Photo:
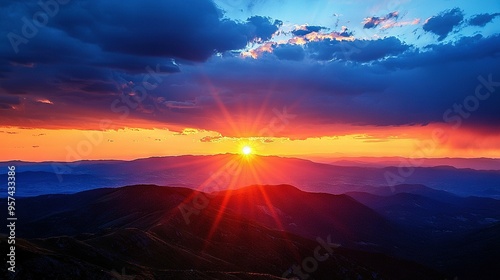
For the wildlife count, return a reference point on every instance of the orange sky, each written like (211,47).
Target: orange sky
(374,82)
(38,144)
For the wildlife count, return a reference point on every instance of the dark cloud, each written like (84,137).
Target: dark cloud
(345,32)
(153,28)
(357,50)
(8,102)
(377,94)
(304,30)
(100,87)
(188,29)
(123,36)
(465,49)
(96,53)
(289,52)
(444,23)
(89,50)
(262,28)
(373,22)
(482,19)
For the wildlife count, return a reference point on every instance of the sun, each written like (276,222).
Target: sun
(246,150)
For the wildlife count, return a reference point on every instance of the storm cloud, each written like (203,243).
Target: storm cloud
(179,64)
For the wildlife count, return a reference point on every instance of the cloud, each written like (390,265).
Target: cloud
(326,95)
(289,52)
(45,101)
(330,46)
(189,29)
(357,50)
(211,138)
(176,104)
(9,132)
(112,34)
(303,30)
(293,49)
(482,19)
(444,22)
(100,53)
(344,35)
(260,50)
(372,22)
(9,102)
(474,48)
(188,131)
(262,28)
(240,97)
(85,60)
(400,23)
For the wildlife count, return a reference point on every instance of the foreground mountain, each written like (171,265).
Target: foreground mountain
(286,208)
(139,232)
(463,232)
(431,212)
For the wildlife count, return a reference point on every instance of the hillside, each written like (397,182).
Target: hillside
(141,230)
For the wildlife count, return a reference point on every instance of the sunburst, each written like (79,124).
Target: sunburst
(246,150)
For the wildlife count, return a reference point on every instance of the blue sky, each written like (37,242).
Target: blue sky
(334,14)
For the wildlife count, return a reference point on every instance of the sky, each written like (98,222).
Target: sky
(130,79)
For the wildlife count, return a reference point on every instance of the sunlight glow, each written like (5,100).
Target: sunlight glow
(246,150)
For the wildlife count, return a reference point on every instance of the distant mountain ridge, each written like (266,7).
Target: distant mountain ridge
(459,163)
(178,171)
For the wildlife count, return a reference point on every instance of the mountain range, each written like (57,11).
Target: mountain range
(237,217)
(257,231)
(63,177)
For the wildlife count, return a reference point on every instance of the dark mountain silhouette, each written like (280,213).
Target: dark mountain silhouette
(461,163)
(476,256)
(457,235)
(284,207)
(139,232)
(407,231)
(433,212)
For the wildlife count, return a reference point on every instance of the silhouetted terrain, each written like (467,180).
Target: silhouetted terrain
(141,230)
(210,226)
(256,232)
(432,212)
(57,177)
(461,163)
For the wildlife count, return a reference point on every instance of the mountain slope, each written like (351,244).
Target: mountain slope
(284,207)
(140,228)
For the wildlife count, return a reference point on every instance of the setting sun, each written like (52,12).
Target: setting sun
(246,150)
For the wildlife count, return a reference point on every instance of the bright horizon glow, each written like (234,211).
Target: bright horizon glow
(38,144)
